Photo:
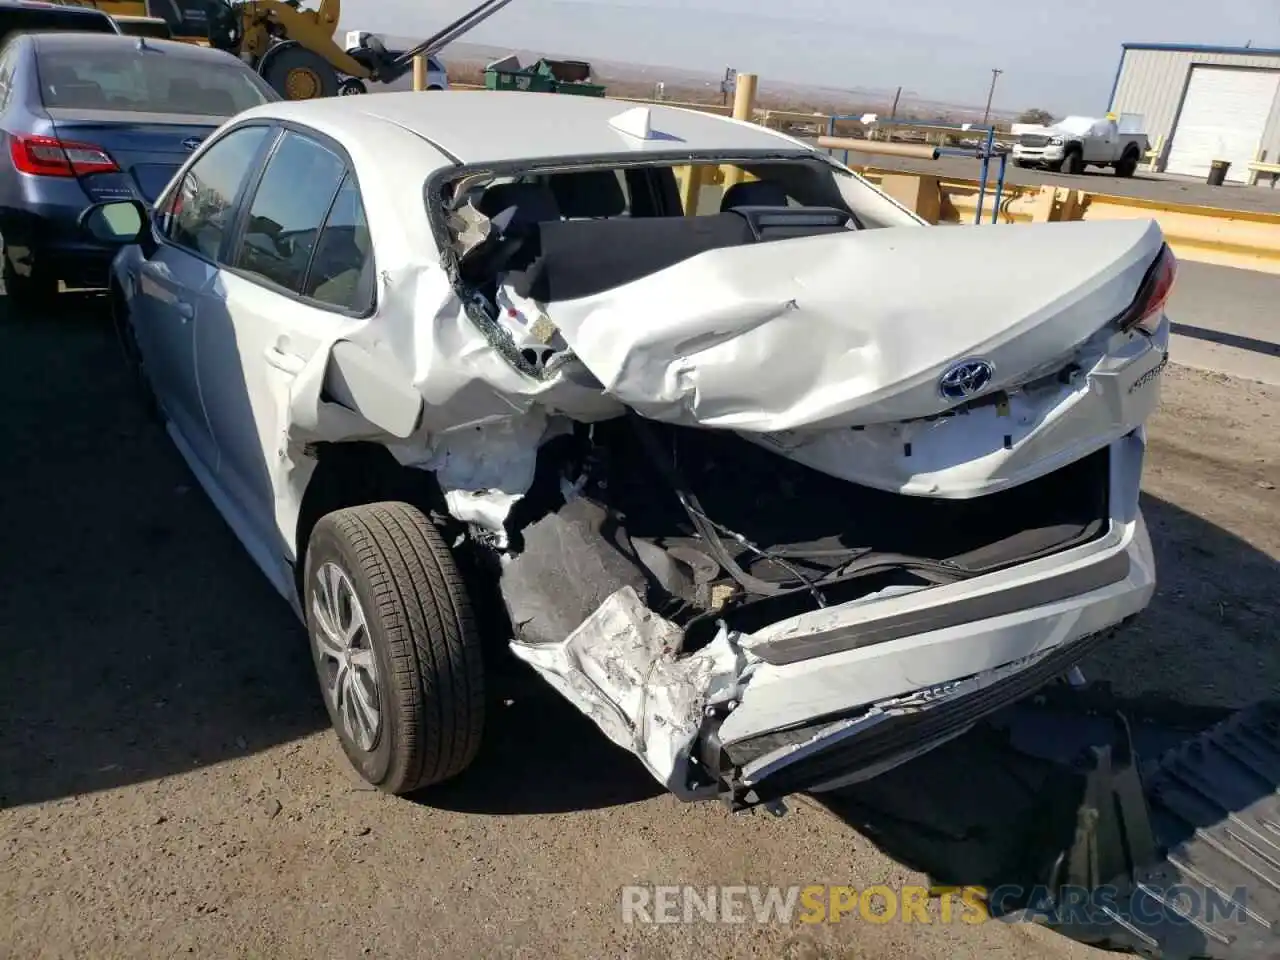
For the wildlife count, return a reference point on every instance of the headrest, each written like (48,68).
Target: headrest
(216,103)
(83,93)
(753,193)
(532,202)
(57,76)
(588,194)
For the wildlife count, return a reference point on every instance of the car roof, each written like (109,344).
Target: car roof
(500,126)
(90,41)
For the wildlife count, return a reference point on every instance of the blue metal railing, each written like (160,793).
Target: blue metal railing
(985,152)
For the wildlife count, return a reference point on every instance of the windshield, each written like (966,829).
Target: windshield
(124,78)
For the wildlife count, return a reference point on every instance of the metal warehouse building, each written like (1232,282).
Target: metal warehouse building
(1208,103)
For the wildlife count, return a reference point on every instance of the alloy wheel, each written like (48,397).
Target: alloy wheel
(345,657)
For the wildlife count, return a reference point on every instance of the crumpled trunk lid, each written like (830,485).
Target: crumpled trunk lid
(853,329)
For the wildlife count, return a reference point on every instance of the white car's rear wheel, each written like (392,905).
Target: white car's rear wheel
(395,645)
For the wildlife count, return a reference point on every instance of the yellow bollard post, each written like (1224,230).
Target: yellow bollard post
(690,181)
(419,72)
(744,105)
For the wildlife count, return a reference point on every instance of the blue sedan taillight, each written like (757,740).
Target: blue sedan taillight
(51,157)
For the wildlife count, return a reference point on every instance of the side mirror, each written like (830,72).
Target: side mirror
(116,221)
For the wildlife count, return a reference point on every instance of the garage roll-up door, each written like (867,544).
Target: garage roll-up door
(1223,117)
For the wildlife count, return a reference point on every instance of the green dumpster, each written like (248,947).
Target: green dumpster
(543,76)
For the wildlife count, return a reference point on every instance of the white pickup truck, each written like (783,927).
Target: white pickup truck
(1074,143)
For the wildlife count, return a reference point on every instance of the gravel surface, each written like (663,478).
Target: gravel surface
(168,786)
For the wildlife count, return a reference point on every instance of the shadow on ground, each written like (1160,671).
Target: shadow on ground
(140,640)
(541,755)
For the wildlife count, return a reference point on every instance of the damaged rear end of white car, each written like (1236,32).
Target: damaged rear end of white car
(788,493)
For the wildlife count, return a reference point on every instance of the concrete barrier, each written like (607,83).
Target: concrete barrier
(1229,238)
(1232,238)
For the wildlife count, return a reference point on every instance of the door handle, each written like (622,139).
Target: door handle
(184,310)
(288,362)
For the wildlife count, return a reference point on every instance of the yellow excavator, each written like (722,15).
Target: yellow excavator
(293,48)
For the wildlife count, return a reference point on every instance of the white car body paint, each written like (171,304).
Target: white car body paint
(827,350)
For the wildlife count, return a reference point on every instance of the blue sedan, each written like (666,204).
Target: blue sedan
(93,117)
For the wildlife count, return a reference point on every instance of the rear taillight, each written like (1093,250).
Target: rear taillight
(1145,311)
(51,157)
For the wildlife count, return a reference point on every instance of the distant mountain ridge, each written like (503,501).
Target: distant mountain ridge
(868,98)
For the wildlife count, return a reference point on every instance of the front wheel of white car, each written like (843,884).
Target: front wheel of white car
(395,645)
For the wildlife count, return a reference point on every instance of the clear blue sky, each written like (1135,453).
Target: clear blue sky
(1061,56)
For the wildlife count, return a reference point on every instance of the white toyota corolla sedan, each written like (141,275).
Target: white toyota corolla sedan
(777,483)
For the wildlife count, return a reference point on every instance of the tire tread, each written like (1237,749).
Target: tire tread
(422,603)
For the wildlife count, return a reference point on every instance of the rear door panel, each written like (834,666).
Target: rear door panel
(258,333)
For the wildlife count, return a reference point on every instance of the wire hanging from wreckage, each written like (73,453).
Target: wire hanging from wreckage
(861,561)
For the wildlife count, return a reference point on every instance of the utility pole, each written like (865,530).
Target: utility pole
(986,114)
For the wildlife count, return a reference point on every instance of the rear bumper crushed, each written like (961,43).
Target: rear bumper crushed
(840,752)
(850,691)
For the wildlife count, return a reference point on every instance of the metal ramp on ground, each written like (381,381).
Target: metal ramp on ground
(1155,833)
(1186,849)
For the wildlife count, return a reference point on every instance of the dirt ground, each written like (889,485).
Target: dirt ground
(168,786)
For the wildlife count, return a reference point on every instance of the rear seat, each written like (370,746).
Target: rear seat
(185,95)
(549,258)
